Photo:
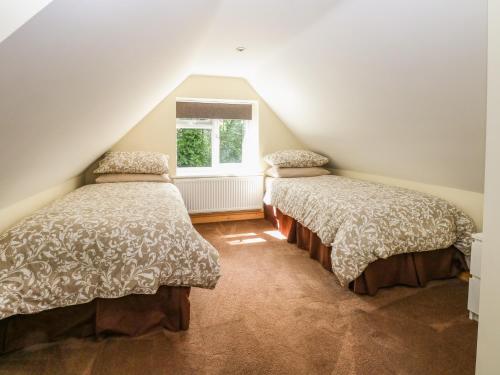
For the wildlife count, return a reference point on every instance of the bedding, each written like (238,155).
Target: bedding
(131,177)
(295,159)
(409,269)
(364,221)
(296,172)
(106,241)
(133,162)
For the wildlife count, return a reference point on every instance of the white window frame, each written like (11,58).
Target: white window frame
(250,147)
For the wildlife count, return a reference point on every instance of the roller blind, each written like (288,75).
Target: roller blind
(214,110)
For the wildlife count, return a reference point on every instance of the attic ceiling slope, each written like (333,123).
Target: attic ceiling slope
(262,26)
(79,75)
(390,87)
(14,13)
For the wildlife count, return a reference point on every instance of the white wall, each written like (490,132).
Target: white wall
(488,355)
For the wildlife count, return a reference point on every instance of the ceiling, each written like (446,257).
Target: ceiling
(15,13)
(389,87)
(392,87)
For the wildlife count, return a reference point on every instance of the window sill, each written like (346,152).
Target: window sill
(216,174)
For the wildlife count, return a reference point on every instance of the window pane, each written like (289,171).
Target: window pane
(194,147)
(231,133)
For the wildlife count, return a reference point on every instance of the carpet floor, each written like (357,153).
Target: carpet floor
(275,311)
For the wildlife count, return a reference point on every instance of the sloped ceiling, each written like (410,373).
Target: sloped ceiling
(79,75)
(15,13)
(393,87)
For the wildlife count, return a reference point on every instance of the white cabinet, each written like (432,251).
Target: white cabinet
(475,280)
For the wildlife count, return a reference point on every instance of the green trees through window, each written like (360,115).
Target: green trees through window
(195,146)
(231,133)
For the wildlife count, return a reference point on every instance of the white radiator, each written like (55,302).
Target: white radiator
(218,194)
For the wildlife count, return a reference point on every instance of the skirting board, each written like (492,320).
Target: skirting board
(217,217)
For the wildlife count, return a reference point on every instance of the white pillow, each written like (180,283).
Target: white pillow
(133,162)
(296,172)
(295,159)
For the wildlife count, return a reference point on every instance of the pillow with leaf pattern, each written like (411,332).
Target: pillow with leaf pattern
(295,159)
(133,162)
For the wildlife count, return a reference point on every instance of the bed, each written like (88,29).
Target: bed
(106,258)
(370,235)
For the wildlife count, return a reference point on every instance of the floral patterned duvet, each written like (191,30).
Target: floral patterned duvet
(105,240)
(364,221)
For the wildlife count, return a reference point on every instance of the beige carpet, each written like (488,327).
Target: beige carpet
(275,311)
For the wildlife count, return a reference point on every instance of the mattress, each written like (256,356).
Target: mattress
(103,241)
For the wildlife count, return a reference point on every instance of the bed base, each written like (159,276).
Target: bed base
(131,315)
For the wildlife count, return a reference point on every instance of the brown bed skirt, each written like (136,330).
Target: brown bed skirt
(412,269)
(130,315)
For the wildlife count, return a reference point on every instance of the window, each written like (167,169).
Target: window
(194,144)
(211,146)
